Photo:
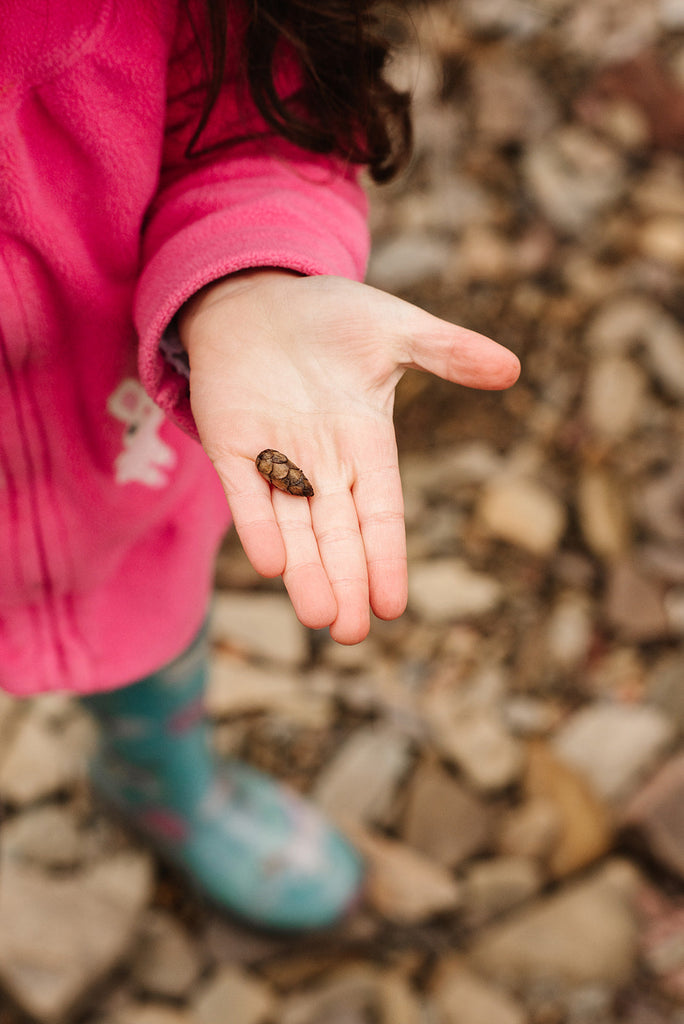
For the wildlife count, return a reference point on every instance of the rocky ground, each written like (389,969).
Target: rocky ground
(509,754)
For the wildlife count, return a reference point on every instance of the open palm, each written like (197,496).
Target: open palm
(308,366)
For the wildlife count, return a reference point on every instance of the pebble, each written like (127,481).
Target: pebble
(361,779)
(247,999)
(571,825)
(404,885)
(447,589)
(523,512)
(482,747)
(614,745)
(603,512)
(615,395)
(397,1003)
(237,687)
(634,604)
(573,177)
(260,625)
(463,997)
(443,819)
(496,885)
(165,961)
(408,261)
(43,758)
(569,630)
(585,934)
(511,103)
(655,813)
(59,936)
(344,998)
(662,238)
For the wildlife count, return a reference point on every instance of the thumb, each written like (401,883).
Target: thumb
(455,353)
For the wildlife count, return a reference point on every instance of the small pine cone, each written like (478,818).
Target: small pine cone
(283,474)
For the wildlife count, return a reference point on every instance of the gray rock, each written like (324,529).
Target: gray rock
(482,747)
(361,779)
(166,962)
(656,814)
(615,397)
(247,999)
(446,589)
(443,819)
(498,884)
(583,935)
(345,998)
(463,997)
(603,513)
(44,756)
(263,625)
(60,936)
(523,512)
(635,603)
(614,745)
(573,177)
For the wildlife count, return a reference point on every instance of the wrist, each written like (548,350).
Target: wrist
(216,292)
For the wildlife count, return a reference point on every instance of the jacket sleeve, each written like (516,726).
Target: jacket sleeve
(249,199)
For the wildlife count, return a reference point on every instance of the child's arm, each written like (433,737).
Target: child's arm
(308,366)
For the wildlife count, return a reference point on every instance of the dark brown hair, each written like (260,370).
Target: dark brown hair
(345,104)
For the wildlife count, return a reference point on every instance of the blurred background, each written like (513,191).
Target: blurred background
(509,754)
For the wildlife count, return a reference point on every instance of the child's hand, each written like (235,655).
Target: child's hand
(308,366)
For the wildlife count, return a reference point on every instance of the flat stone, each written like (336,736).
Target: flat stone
(408,260)
(43,758)
(497,884)
(464,997)
(655,813)
(570,825)
(660,238)
(397,1002)
(482,747)
(573,177)
(586,934)
(511,103)
(635,603)
(447,589)
(523,512)
(361,779)
(261,625)
(233,991)
(614,397)
(532,829)
(346,997)
(403,884)
(47,836)
(443,819)
(603,514)
(166,961)
(614,745)
(569,630)
(59,936)
(237,687)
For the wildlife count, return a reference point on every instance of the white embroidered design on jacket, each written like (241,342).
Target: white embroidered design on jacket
(145,456)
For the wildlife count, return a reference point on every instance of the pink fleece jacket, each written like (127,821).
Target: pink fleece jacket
(111,512)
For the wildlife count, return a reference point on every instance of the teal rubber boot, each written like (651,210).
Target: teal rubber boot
(254,847)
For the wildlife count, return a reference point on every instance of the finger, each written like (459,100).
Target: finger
(249,499)
(453,353)
(343,555)
(379,505)
(304,576)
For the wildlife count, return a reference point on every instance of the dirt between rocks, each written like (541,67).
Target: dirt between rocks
(508,755)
